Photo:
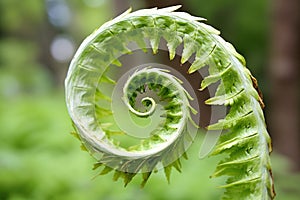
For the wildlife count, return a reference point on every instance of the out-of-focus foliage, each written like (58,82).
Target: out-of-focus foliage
(39,159)
(19,71)
(21,15)
(287,183)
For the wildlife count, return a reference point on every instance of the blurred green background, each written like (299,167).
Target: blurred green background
(39,159)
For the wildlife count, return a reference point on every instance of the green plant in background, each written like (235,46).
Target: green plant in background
(92,87)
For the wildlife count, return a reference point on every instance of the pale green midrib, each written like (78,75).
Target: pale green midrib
(263,142)
(253,101)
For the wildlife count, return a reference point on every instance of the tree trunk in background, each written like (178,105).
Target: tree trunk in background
(284,74)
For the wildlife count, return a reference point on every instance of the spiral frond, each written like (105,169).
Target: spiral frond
(91,97)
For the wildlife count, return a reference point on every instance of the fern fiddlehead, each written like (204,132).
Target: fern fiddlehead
(97,104)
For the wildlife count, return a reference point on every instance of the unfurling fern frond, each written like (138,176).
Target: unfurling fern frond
(106,105)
